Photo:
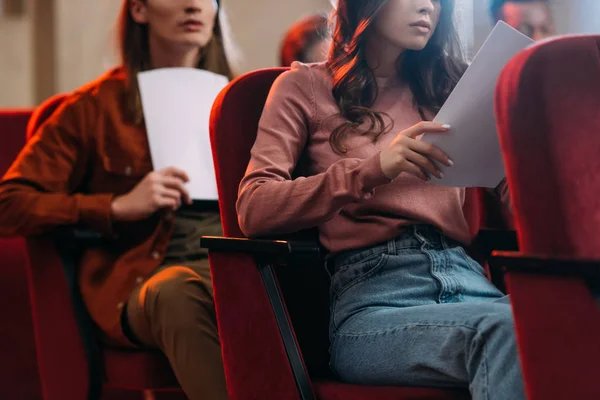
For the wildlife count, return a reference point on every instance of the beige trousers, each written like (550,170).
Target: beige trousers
(174,311)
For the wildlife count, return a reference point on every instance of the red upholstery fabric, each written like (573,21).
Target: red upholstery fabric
(56,332)
(18,378)
(138,370)
(547,103)
(62,362)
(340,391)
(256,364)
(61,358)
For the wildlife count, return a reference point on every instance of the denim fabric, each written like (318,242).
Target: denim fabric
(418,311)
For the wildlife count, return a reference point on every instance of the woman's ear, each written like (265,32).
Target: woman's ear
(139,11)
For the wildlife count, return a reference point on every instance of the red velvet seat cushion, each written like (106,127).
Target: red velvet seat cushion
(342,391)
(138,370)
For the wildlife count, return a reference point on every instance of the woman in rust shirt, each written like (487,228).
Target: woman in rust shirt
(90,165)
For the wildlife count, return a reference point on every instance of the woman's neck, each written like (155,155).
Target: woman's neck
(167,56)
(383,61)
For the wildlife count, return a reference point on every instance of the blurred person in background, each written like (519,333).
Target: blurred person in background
(89,165)
(307,41)
(531,17)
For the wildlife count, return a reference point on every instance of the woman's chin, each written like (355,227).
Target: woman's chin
(417,45)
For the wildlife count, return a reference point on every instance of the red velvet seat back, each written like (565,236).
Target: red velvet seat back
(232,137)
(548,101)
(18,378)
(547,106)
(57,336)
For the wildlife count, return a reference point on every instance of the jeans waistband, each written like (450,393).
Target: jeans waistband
(414,237)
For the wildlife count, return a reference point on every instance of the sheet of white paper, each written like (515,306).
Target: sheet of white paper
(177,104)
(472,142)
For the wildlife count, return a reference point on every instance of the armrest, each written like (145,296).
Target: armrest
(554,303)
(543,265)
(263,247)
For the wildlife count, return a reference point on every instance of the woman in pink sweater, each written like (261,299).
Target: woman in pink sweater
(408,305)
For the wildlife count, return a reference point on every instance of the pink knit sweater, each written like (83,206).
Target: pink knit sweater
(296,181)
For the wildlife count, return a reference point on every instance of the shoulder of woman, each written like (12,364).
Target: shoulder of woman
(307,79)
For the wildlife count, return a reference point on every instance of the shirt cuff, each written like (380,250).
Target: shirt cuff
(371,175)
(95,212)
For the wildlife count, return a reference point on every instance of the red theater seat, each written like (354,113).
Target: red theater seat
(273,319)
(18,378)
(72,364)
(547,106)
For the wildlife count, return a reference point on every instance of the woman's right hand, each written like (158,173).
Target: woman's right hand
(163,189)
(407,154)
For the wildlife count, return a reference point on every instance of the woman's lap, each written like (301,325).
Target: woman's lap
(419,311)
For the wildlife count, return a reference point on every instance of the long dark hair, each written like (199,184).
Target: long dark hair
(431,73)
(135,55)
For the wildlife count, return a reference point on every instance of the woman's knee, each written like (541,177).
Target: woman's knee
(498,329)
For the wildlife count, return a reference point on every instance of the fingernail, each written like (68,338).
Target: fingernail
(446,126)
(450,162)
(441,175)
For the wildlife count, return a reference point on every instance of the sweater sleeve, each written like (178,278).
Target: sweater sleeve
(269,201)
(38,192)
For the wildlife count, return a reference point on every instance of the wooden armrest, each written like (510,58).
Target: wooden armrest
(543,265)
(263,247)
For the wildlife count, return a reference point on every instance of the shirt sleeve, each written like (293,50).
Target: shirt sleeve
(40,191)
(271,202)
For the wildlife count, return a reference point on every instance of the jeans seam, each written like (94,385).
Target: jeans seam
(369,258)
(356,281)
(371,271)
(468,260)
(484,366)
(405,327)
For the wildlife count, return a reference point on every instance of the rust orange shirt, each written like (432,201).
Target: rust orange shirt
(68,173)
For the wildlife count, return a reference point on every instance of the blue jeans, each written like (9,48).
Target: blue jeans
(418,311)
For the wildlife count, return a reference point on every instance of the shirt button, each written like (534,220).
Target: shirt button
(128,171)
(120,305)
(139,280)
(155,255)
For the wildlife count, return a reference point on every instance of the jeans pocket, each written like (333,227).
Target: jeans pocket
(470,263)
(351,274)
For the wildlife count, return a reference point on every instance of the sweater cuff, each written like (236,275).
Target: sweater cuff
(95,212)
(371,175)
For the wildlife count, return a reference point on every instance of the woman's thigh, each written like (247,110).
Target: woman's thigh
(431,345)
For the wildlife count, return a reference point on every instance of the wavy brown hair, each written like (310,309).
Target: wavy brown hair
(135,55)
(431,73)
